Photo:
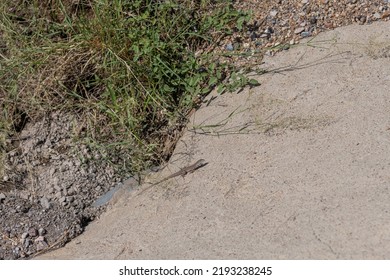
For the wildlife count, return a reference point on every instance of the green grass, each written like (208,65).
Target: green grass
(130,70)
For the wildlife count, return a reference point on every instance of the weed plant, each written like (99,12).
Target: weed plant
(130,70)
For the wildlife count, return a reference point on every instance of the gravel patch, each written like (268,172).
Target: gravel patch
(277,25)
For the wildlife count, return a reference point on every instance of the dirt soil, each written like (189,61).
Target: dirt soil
(298,168)
(48,189)
(50,183)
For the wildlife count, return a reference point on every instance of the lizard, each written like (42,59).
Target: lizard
(182,172)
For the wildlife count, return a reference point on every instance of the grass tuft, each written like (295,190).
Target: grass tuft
(130,70)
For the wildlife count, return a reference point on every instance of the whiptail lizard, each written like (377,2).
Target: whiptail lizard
(182,172)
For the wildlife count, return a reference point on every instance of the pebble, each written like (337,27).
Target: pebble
(229,47)
(24,235)
(42,245)
(273,13)
(305,34)
(299,30)
(41,231)
(32,232)
(39,239)
(26,243)
(2,197)
(45,203)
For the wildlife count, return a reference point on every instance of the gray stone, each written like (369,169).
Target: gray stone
(41,231)
(229,47)
(273,13)
(27,242)
(32,232)
(2,197)
(24,195)
(42,245)
(39,239)
(299,30)
(45,203)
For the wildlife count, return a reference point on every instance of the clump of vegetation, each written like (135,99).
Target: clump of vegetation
(131,70)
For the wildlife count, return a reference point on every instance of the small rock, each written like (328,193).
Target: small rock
(45,203)
(361,19)
(62,199)
(27,243)
(305,34)
(2,197)
(41,231)
(32,232)
(305,1)
(16,251)
(24,196)
(42,245)
(265,35)
(292,42)
(229,47)
(273,13)
(39,239)
(5,178)
(299,30)
(24,235)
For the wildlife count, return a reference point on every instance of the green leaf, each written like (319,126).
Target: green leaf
(213,81)
(253,83)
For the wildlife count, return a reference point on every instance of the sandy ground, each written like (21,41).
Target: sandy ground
(299,168)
